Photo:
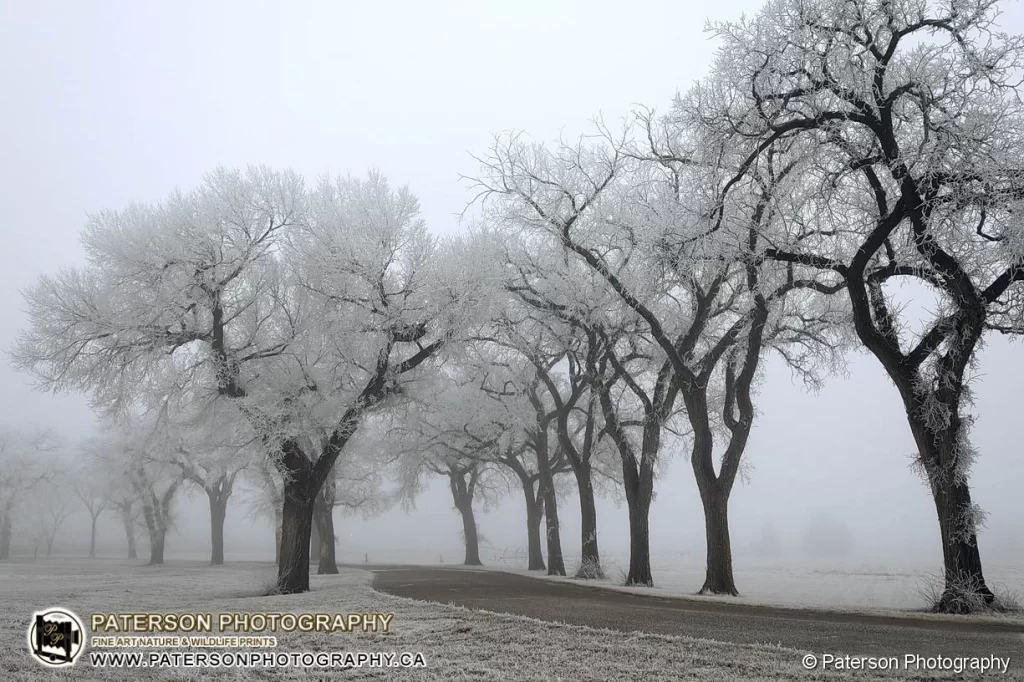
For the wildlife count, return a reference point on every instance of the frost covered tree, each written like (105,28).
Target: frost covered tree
(22,469)
(907,121)
(307,309)
(52,505)
(210,449)
(451,430)
(93,492)
(136,453)
(699,306)
(564,428)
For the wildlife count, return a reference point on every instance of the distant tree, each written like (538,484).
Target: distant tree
(212,448)
(827,537)
(94,494)
(23,471)
(140,451)
(52,505)
(768,543)
(450,430)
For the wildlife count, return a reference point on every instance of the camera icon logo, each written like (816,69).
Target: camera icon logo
(55,637)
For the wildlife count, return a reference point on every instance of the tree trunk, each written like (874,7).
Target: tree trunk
(556,564)
(964,588)
(156,547)
(218,512)
(296,527)
(639,538)
(546,490)
(92,538)
(469,530)
(157,527)
(534,515)
(590,561)
(718,579)
(5,536)
(49,547)
(326,561)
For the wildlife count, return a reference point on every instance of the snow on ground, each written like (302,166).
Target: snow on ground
(837,585)
(458,644)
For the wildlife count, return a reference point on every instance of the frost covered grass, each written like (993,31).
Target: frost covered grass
(905,590)
(458,644)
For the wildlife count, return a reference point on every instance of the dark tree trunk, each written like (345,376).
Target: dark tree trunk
(303,479)
(546,491)
(964,588)
(556,564)
(5,536)
(49,547)
(534,512)
(590,561)
(296,527)
(218,512)
(92,538)
(323,516)
(462,496)
(534,515)
(639,506)
(469,530)
(718,578)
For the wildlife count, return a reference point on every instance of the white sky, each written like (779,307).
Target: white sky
(113,102)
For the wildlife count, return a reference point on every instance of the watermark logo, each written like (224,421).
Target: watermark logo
(55,637)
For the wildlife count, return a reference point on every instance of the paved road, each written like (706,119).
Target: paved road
(602,608)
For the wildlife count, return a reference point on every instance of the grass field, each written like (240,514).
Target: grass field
(457,644)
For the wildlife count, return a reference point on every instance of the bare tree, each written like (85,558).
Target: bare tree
(638,224)
(52,505)
(94,494)
(907,122)
(448,430)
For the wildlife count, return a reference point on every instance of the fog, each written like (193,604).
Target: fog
(118,102)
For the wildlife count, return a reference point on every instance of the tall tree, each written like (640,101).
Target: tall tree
(907,120)
(306,309)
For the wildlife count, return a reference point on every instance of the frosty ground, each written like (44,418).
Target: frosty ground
(895,588)
(457,643)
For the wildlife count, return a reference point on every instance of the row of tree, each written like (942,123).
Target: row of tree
(616,298)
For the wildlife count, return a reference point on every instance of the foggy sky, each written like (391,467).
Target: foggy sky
(109,103)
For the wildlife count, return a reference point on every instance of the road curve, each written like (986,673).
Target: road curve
(815,631)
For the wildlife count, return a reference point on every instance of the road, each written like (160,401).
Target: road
(813,631)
